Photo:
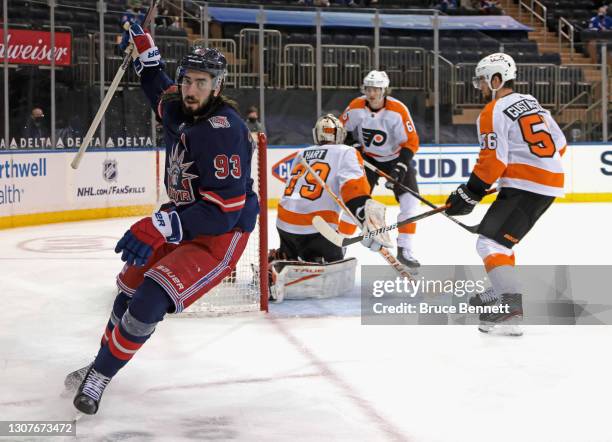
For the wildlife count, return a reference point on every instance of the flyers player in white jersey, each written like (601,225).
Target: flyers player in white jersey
(341,167)
(521,148)
(384,129)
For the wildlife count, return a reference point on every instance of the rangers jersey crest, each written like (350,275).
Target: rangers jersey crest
(219,122)
(180,189)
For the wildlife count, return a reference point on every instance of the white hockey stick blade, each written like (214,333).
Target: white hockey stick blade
(327,231)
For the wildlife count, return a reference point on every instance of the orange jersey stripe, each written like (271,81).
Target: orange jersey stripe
(412,138)
(488,168)
(346,228)
(534,174)
(354,188)
(358,103)
(497,260)
(305,219)
(562,151)
(407,228)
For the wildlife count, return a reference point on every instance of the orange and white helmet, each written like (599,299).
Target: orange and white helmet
(498,63)
(328,129)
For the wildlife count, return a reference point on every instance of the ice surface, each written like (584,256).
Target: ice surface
(308,371)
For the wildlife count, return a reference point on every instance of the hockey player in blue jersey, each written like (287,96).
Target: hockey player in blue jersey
(181,252)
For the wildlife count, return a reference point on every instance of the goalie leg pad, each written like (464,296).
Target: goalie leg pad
(304,280)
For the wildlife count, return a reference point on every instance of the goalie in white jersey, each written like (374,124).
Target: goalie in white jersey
(521,148)
(341,168)
(384,129)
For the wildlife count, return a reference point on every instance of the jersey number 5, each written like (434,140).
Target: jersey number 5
(540,141)
(222,166)
(312,190)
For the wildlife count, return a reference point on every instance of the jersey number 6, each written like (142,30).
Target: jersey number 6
(312,190)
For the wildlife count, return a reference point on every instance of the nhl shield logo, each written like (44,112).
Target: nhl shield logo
(109,170)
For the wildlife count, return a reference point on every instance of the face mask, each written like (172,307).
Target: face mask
(252,119)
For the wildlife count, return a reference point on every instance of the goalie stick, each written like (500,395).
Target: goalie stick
(111,91)
(471,229)
(393,262)
(341,241)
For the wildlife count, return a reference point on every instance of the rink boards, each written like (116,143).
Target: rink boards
(40,186)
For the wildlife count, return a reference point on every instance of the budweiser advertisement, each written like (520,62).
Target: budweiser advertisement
(34,47)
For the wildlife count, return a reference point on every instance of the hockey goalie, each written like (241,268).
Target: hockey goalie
(307,265)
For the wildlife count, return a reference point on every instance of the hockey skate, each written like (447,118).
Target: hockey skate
(74,379)
(405,257)
(89,395)
(488,297)
(504,323)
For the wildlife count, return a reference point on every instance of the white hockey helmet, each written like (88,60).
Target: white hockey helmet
(376,79)
(328,129)
(498,63)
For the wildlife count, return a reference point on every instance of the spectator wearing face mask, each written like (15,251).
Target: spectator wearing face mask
(252,121)
(601,22)
(35,126)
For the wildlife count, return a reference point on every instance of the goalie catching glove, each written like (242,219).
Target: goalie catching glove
(145,53)
(372,217)
(148,234)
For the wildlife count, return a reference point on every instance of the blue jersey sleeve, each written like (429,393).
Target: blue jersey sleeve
(155,82)
(221,147)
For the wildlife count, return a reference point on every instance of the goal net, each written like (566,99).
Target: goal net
(246,288)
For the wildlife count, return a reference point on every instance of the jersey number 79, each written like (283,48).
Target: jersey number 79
(312,190)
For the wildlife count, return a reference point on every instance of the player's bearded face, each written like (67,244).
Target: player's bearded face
(485,90)
(196,90)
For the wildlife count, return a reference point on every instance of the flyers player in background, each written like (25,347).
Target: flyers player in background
(186,248)
(521,148)
(341,168)
(388,139)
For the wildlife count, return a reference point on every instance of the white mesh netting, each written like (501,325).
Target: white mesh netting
(241,291)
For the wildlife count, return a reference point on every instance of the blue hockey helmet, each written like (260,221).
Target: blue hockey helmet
(201,59)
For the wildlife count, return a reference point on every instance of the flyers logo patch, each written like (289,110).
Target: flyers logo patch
(373,137)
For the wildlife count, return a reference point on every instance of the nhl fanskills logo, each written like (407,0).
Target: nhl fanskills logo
(109,170)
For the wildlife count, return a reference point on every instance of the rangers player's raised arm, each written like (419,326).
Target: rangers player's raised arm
(149,67)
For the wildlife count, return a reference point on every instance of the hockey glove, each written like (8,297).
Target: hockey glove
(398,173)
(462,201)
(372,216)
(146,54)
(148,234)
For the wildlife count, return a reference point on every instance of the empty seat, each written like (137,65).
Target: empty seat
(387,40)
(426,42)
(343,39)
(364,40)
(405,41)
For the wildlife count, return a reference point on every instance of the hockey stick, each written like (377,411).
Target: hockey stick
(111,91)
(393,262)
(333,236)
(471,229)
